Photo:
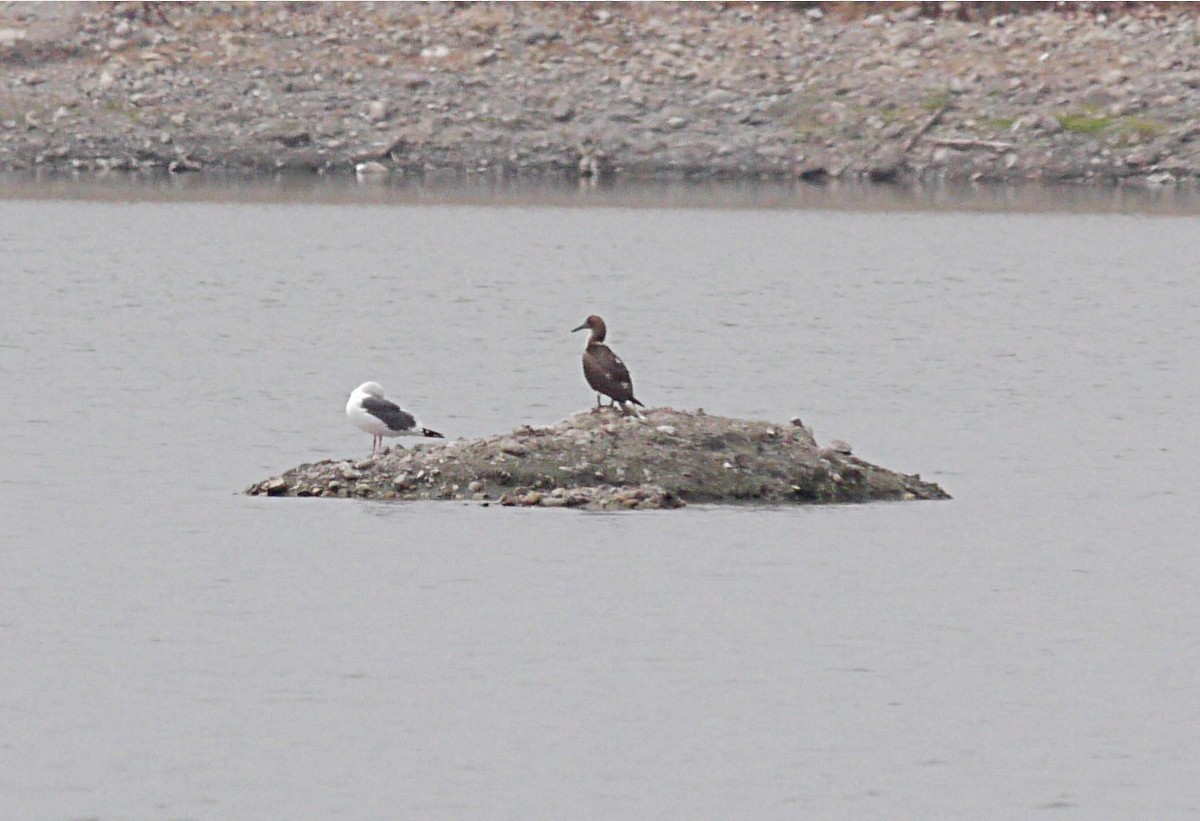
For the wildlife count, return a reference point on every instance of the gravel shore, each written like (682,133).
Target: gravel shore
(897,94)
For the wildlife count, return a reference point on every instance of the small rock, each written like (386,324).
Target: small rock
(562,111)
(276,487)
(1098,96)
(513,448)
(541,35)
(294,139)
(1141,157)
(378,111)
(183,164)
(475,486)
(371,170)
(886,166)
(1050,124)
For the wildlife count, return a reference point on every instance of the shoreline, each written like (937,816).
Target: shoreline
(627,92)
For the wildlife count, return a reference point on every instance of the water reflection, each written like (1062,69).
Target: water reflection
(569,191)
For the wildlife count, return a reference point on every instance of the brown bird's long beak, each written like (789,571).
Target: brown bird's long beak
(580,328)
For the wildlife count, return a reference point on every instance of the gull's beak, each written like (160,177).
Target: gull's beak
(580,328)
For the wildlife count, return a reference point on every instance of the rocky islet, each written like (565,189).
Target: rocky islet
(601,459)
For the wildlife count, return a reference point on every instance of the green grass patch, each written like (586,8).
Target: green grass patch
(1084,122)
(936,100)
(1143,127)
(1094,122)
(889,114)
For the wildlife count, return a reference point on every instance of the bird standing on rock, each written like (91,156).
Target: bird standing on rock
(380,417)
(603,369)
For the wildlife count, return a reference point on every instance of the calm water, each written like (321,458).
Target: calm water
(172,649)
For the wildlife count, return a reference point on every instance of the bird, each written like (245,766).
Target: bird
(380,417)
(603,369)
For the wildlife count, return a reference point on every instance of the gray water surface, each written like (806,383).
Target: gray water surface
(173,649)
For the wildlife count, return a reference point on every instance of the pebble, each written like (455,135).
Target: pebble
(378,111)
(513,448)
(562,110)
(371,170)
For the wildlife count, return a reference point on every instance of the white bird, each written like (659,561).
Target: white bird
(380,417)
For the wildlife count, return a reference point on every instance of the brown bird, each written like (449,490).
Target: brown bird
(603,369)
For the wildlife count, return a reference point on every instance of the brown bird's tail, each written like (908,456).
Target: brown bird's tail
(433,434)
(634,401)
